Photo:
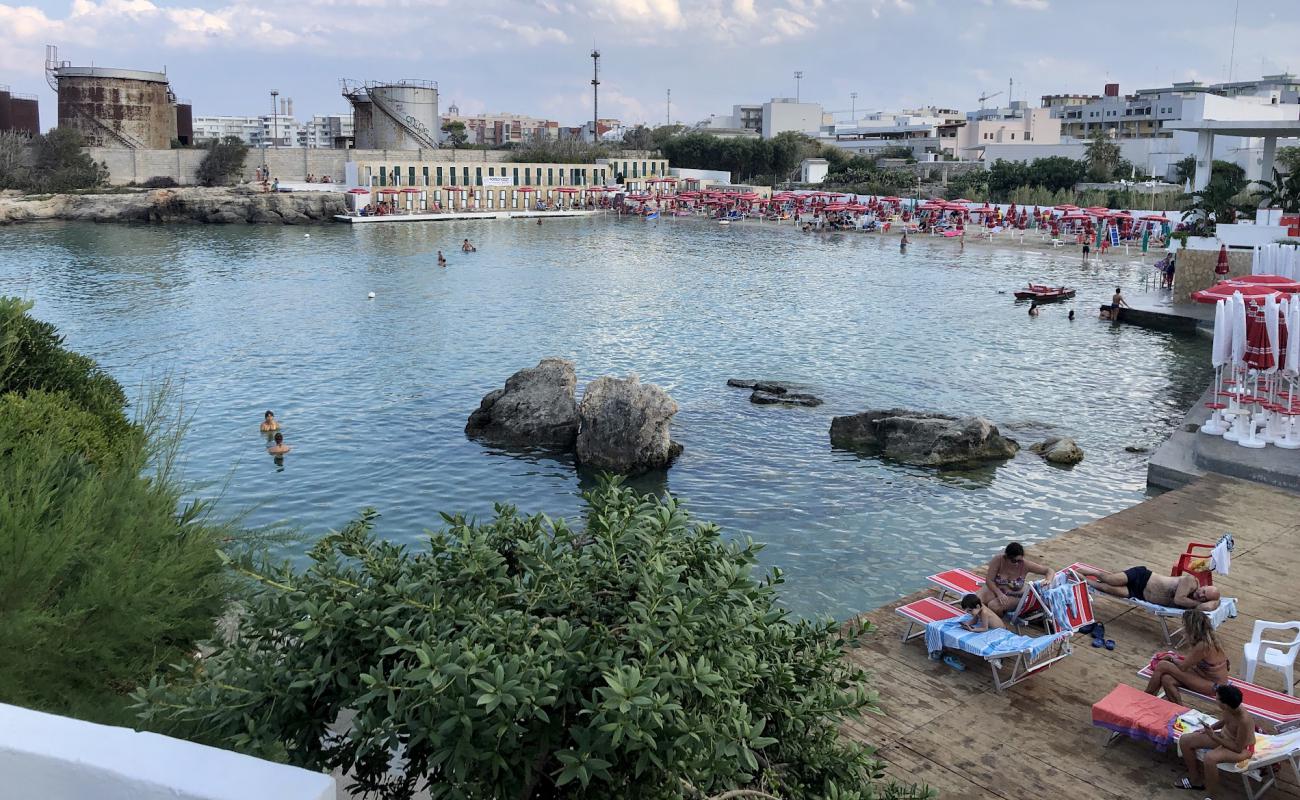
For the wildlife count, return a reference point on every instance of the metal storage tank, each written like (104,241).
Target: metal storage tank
(397,115)
(114,107)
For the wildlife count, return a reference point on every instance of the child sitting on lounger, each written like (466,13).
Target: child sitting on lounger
(982,618)
(1229,741)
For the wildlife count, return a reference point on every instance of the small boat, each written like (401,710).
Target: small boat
(1044,294)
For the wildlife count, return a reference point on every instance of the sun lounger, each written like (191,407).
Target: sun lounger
(956,582)
(1257,775)
(1164,614)
(923,612)
(1280,711)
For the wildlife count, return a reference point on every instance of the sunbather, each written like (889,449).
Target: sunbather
(1230,740)
(1005,582)
(1183,591)
(981,618)
(1203,669)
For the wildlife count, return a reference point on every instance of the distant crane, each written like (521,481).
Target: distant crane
(984,97)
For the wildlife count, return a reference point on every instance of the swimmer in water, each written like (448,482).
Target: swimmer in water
(442,260)
(279,448)
(268,423)
(466,247)
(902,244)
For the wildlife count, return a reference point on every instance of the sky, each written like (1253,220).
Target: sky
(532,57)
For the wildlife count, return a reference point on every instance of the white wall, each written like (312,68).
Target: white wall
(779,117)
(47,757)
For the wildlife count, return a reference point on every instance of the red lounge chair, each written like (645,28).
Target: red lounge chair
(920,612)
(1282,711)
(956,582)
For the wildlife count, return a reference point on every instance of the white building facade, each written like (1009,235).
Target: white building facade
(280,130)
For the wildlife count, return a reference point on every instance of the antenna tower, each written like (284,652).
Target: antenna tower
(595,98)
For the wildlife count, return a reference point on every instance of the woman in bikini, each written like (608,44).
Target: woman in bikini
(1004,584)
(1203,669)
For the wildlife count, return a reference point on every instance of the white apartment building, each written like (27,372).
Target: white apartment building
(210,129)
(777,116)
(327,131)
(1014,123)
(279,130)
(928,132)
(504,127)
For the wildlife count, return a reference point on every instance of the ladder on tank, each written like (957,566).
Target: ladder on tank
(52,67)
(417,130)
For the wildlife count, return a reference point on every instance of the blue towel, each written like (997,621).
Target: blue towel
(1061,604)
(987,644)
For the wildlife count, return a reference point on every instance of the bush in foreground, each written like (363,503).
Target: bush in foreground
(637,657)
(102,581)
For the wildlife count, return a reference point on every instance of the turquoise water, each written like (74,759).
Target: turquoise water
(373,394)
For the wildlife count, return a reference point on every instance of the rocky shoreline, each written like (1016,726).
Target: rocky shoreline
(239,204)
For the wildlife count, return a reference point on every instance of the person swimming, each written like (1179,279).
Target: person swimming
(279,448)
(466,247)
(442,260)
(902,244)
(268,422)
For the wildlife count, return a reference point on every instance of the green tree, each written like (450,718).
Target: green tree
(663,133)
(636,657)
(222,162)
(1102,157)
(638,138)
(103,581)
(13,159)
(1288,159)
(456,135)
(61,164)
(1185,170)
(1282,192)
(1005,177)
(1055,173)
(1218,201)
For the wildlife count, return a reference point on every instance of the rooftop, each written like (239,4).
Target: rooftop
(953,732)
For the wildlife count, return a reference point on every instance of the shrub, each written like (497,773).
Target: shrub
(160,182)
(223,162)
(60,164)
(637,657)
(57,421)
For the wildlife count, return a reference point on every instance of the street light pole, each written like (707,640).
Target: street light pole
(853,99)
(275,121)
(798,76)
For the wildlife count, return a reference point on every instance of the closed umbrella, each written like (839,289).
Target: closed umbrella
(1220,351)
(1292,364)
(1221,266)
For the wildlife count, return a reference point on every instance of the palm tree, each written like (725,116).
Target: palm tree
(1282,192)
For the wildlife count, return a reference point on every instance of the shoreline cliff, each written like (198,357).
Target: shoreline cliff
(229,205)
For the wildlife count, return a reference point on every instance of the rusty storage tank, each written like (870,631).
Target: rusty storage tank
(396,115)
(19,113)
(117,107)
(185,123)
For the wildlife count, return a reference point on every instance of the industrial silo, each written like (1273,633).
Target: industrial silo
(398,115)
(114,107)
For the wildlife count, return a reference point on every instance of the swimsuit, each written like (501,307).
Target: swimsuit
(1014,585)
(1137,581)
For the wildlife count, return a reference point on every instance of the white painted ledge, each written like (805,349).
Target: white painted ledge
(57,758)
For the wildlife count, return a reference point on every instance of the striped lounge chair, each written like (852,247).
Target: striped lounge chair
(954,583)
(1258,773)
(1279,711)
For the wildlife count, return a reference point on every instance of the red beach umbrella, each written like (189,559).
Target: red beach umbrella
(1223,290)
(1278,282)
(567,190)
(1155,218)
(961,200)
(359,190)
(411,190)
(525,189)
(1221,266)
(1066,207)
(388,191)
(454,189)
(1075,216)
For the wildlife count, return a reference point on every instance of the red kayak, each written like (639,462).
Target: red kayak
(1044,294)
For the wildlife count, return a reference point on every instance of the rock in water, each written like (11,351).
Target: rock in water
(624,426)
(537,408)
(1058,450)
(922,438)
(763,397)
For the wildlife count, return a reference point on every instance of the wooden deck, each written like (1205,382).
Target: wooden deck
(950,730)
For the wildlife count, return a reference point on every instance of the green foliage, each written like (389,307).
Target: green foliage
(1282,192)
(568,151)
(1185,170)
(456,134)
(1102,157)
(745,159)
(33,358)
(1220,201)
(59,163)
(662,134)
(103,581)
(638,138)
(223,162)
(159,182)
(637,657)
(1288,159)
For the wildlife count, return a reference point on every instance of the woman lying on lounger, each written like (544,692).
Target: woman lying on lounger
(1203,669)
(1005,583)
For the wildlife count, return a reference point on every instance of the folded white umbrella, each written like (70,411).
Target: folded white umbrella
(1221,350)
(1270,325)
(1238,330)
(1293,337)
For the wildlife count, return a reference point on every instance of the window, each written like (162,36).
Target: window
(478,176)
(439,173)
(397,176)
(633,170)
(550,176)
(426,176)
(528,176)
(1013,137)
(383,177)
(515,179)
(492,172)
(643,172)
(465,175)
(452,173)
(410,176)
(370,177)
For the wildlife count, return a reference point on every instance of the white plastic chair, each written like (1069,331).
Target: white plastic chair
(1279,656)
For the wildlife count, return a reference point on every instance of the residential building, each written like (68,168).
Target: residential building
(1014,123)
(777,116)
(324,131)
(928,132)
(327,131)
(209,129)
(1143,114)
(496,130)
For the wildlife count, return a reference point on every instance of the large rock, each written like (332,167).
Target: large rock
(1058,450)
(774,393)
(624,426)
(922,438)
(537,408)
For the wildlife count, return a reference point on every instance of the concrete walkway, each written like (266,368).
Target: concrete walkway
(447,216)
(952,731)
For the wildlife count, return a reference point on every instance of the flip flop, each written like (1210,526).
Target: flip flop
(1186,783)
(1110,644)
(954,663)
(1088,629)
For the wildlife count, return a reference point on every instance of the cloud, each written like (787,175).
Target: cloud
(534,34)
(1032,5)
(665,13)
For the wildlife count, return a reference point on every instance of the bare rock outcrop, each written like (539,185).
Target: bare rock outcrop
(624,426)
(537,408)
(923,438)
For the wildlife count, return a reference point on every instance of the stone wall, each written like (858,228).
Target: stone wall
(286,163)
(1196,270)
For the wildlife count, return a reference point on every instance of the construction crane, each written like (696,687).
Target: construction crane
(984,97)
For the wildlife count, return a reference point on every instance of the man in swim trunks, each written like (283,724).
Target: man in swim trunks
(1182,591)
(1229,741)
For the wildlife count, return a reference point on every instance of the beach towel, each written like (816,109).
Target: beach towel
(986,644)
(1221,556)
(1227,608)
(1138,715)
(1266,745)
